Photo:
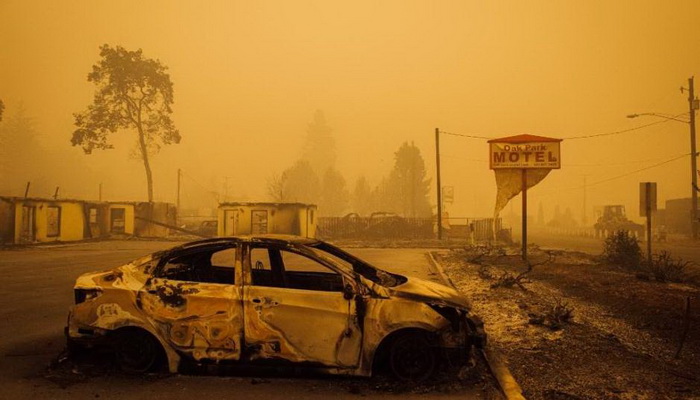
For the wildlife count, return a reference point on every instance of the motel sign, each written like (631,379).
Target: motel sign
(525,151)
(520,162)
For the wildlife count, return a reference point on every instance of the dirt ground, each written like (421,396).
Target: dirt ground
(619,344)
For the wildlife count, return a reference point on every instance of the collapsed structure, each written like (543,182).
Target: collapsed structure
(39,220)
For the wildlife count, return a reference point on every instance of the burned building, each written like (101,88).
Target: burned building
(39,220)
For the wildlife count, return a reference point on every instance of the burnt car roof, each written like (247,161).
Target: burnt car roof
(229,240)
(262,238)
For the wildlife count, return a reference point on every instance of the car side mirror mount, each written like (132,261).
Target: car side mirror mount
(348,292)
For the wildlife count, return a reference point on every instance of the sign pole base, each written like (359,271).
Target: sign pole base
(524,227)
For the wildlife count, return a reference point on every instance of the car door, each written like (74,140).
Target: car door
(194,302)
(296,310)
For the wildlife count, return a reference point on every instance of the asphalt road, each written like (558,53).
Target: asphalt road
(36,290)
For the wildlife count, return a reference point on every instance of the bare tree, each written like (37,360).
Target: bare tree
(275,187)
(334,196)
(133,93)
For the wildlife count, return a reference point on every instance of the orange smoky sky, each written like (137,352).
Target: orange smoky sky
(249,76)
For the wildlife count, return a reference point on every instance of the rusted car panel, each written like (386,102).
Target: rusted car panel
(279,299)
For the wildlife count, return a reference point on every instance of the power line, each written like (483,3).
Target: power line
(618,132)
(640,170)
(213,193)
(595,135)
(618,176)
(616,164)
(467,136)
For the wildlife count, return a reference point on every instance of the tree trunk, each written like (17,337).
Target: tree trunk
(146,163)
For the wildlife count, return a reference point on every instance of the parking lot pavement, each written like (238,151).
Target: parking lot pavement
(36,291)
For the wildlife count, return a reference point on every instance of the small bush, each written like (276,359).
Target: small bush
(622,249)
(555,317)
(666,269)
(476,253)
(485,273)
(559,314)
(508,280)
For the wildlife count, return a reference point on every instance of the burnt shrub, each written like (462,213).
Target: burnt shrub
(621,248)
(665,268)
(555,317)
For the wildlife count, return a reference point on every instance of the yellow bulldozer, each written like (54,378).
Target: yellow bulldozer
(612,218)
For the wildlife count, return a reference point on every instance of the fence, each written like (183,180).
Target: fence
(395,227)
(385,227)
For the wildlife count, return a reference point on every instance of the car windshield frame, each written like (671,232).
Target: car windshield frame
(359,266)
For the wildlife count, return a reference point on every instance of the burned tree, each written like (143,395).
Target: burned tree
(2,108)
(408,185)
(133,93)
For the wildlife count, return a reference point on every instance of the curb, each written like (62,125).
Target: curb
(440,270)
(496,363)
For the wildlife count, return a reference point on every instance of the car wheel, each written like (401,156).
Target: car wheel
(412,358)
(137,351)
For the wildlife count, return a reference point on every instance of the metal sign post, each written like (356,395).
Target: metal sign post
(524,239)
(647,205)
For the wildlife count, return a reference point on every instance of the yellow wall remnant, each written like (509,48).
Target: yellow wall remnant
(38,220)
(115,213)
(260,218)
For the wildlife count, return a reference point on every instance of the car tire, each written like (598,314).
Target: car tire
(412,358)
(137,351)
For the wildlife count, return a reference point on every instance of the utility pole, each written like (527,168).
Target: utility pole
(647,189)
(226,178)
(26,190)
(99,196)
(584,220)
(439,187)
(524,212)
(693,161)
(179,173)
(55,194)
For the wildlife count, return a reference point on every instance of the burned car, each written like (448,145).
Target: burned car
(272,300)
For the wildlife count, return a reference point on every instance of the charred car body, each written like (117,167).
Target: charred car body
(270,299)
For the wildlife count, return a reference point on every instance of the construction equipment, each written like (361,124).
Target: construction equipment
(612,218)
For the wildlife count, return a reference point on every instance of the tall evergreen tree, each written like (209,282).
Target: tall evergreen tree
(300,184)
(334,195)
(408,185)
(19,150)
(361,200)
(319,150)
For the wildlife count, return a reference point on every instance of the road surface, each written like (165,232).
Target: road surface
(36,291)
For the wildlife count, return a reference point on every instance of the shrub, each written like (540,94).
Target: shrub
(666,269)
(559,314)
(508,280)
(622,249)
(555,317)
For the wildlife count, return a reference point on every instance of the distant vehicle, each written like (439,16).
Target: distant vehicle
(612,219)
(208,228)
(271,299)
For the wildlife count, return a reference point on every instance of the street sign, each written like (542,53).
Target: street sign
(647,197)
(448,194)
(525,151)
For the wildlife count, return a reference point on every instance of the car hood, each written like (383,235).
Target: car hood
(430,292)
